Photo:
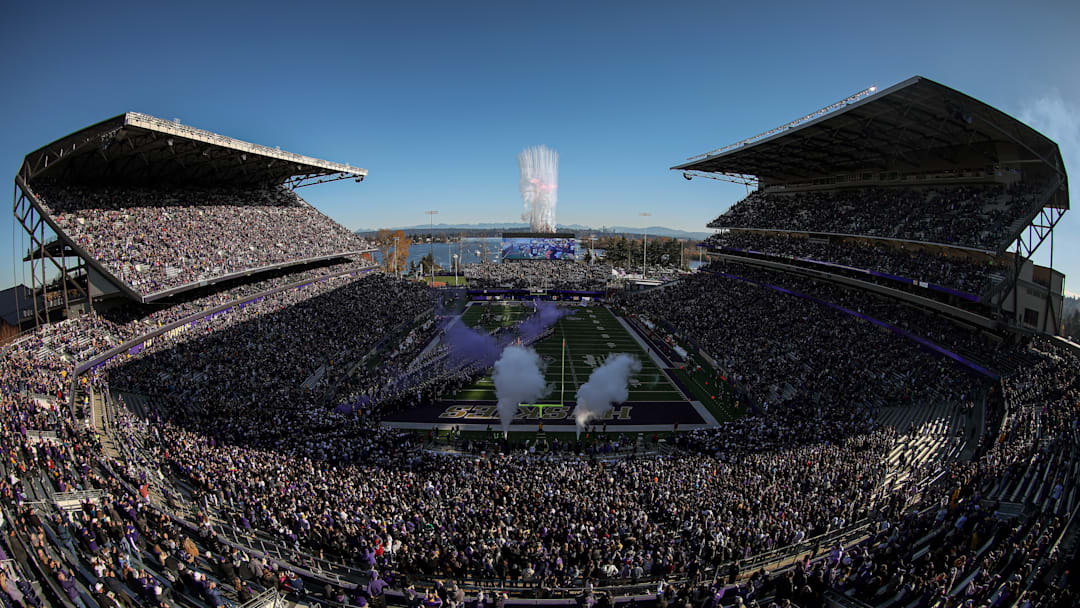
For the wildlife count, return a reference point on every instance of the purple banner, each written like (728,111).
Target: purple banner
(918,339)
(537,294)
(100,360)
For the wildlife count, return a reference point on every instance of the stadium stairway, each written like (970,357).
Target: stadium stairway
(103,423)
(1037,485)
(925,434)
(134,403)
(43,353)
(130,447)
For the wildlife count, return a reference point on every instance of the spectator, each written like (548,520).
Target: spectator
(156,239)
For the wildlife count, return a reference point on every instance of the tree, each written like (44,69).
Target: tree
(394,246)
(1072,325)
(660,247)
(616,249)
(426,263)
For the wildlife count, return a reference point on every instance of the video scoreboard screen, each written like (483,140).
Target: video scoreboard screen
(538,246)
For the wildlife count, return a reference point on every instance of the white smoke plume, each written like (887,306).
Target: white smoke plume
(539,187)
(607,385)
(518,378)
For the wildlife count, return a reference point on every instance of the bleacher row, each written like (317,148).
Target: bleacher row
(891,264)
(933,434)
(984,217)
(156,239)
(1048,483)
(929,435)
(36,370)
(177,495)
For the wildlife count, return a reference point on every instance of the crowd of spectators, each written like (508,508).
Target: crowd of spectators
(547,274)
(133,319)
(762,338)
(406,378)
(897,260)
(988,348)
(240,377)
(243,428)
(957,548)
(113,550)
(968,216)
(236,443)
(98,332)
(155,239)
(238,438)
(522,518)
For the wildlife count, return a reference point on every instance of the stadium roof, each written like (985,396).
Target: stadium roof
(905,127)
(135,147)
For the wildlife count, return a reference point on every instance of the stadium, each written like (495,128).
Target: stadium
(216,395)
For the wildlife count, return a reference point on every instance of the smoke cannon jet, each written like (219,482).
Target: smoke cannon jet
(518,378)
(607,385)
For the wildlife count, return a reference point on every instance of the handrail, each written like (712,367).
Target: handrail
(202,282)
(267,599)
(865,271)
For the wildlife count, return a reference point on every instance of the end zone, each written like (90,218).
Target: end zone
(480,415)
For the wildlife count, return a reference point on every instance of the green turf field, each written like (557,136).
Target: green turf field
(448,279)
(591,334)
(705,386)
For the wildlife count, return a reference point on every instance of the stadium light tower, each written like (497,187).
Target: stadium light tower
(431,239)
(397,258)
(645,245)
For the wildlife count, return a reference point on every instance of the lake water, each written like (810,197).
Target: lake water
(471,252)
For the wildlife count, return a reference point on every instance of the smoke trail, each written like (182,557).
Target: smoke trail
(539,187)
(469,345)
(518,379)
(547,313)
(607,385)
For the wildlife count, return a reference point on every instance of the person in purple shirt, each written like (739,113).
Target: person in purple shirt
(213,596)
(67,582)
(369,557)
(376,587)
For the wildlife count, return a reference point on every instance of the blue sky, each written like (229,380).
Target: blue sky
(436,100)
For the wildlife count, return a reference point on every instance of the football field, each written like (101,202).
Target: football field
(591,334)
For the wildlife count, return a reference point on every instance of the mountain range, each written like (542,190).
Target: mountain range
(652,230)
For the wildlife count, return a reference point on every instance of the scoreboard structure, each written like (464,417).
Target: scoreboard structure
(538,246)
